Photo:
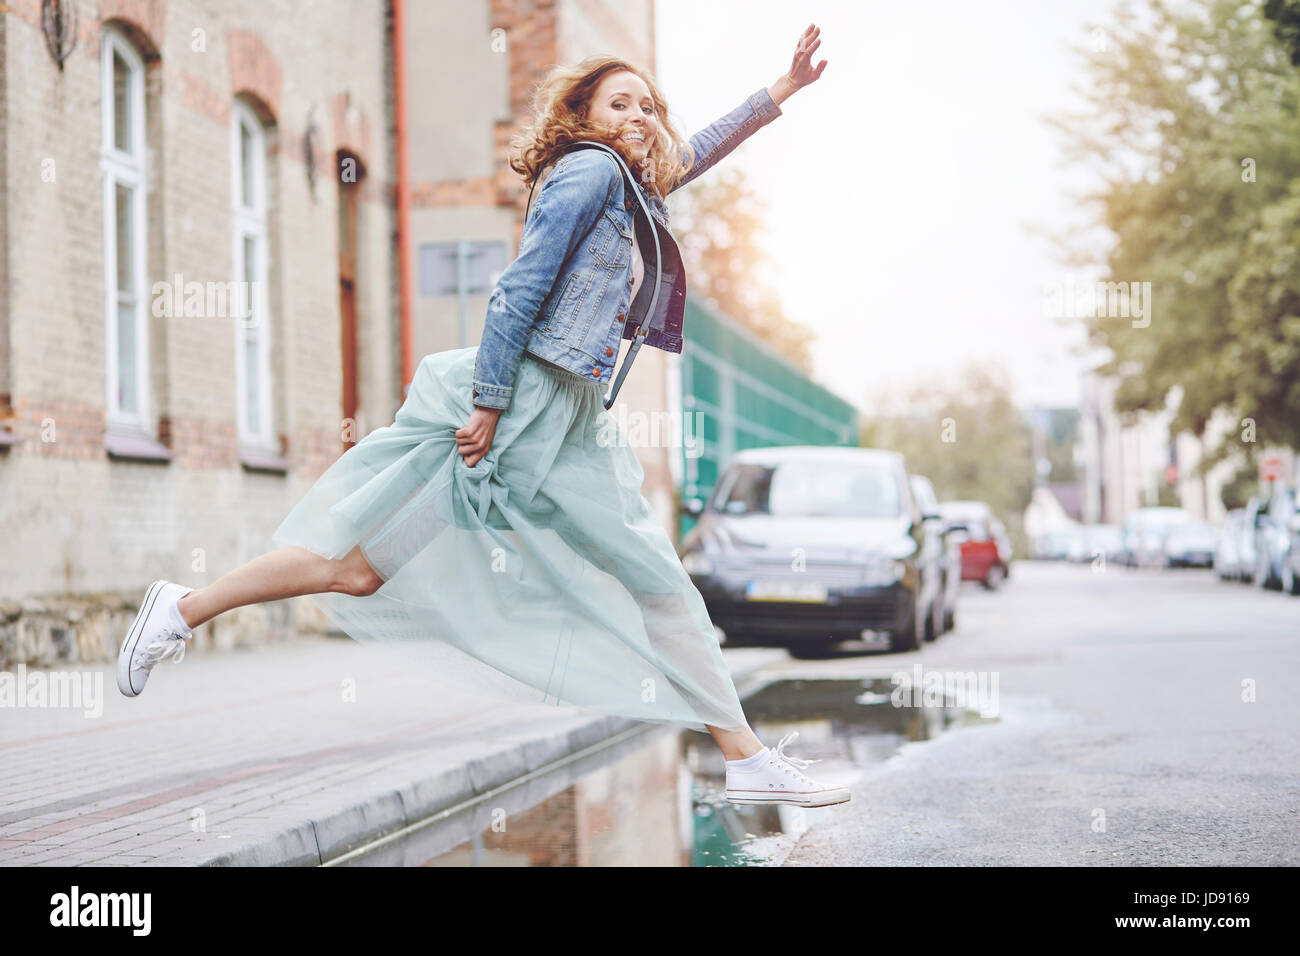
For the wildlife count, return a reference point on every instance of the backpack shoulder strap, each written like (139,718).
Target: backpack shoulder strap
(639,334)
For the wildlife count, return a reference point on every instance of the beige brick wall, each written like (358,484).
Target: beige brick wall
(75,521)
(84,534)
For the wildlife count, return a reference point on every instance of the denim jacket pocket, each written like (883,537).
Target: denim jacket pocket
(611,241)
(558,316)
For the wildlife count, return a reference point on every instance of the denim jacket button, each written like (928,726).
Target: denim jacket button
(596,372)
(609,351)
(620,316)
(628,204)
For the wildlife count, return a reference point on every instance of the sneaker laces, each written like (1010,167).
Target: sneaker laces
(796,764)
(173,646)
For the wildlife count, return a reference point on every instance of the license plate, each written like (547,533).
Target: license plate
(810,592)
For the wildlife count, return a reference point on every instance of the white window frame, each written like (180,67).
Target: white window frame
(129,170)
(250,223)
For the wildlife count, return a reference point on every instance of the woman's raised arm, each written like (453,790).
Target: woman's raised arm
(713,143)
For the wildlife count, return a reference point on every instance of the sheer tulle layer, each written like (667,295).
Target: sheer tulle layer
(540,573)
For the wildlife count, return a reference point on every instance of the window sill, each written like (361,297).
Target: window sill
(263,461)
(136,448)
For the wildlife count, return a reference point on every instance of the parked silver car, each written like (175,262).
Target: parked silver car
(1144,531)
(1191,545)
(948,542)
(1096,541)
(1227,556)
(1247,540)
(806,546)
(1273,538)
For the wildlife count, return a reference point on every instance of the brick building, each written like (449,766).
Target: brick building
(472,68)
(200,298)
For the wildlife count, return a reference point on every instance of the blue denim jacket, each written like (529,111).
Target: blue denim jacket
(565,298)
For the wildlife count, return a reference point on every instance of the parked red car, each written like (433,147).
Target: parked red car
(986,552)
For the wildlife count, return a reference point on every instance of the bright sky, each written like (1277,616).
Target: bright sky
(901,183)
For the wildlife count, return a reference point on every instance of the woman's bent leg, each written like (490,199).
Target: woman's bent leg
(282,573)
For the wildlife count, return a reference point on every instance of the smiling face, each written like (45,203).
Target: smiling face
(622,100)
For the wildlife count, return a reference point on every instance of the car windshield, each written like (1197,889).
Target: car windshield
(812,489)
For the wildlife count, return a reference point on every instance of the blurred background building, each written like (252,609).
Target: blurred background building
(197,298)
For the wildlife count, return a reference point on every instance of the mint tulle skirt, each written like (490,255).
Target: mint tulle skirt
(540,573)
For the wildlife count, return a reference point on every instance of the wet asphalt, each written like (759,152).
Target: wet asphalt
(1146,718)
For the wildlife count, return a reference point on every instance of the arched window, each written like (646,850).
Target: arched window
(252,321)
(122,163)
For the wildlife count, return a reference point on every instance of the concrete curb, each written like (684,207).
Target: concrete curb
(325,837)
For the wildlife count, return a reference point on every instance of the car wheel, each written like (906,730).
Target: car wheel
(913,632)
(949,619)
(994,577)
(934,620)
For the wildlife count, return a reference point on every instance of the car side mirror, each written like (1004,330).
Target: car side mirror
(694,506)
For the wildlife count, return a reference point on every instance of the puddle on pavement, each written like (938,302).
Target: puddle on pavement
(657,798)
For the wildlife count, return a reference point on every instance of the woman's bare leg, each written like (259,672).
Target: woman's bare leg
(278,574)
(735,744)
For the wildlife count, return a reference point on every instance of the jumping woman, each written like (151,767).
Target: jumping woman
(496,528)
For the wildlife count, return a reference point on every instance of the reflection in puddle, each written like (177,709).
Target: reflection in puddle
(657,798)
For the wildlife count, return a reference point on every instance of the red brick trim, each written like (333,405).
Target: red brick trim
(202,98)
(454,192)
(143,20)
(255,72)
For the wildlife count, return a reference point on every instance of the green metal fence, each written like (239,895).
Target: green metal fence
(747,396)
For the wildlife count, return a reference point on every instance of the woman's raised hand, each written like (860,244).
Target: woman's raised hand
(801,69)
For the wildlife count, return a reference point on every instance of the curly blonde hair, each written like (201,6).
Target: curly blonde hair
(561,104)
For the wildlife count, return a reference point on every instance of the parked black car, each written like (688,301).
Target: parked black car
(806,546)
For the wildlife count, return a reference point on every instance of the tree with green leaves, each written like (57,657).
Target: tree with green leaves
(967,436)
(1194,129)
(1285,15)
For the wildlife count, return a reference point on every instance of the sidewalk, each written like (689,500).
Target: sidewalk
(254,757)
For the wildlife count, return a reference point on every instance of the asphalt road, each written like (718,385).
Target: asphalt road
(1127,735)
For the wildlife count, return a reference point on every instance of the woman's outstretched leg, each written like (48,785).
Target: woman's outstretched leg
(282,573)
(170,611)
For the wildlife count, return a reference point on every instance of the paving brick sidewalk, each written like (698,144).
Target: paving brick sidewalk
(253,756)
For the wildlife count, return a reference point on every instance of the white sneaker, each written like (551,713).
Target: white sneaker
(154,635)
(780,779)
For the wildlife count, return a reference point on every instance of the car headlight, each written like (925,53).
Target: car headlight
(696,563)
(882,572)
